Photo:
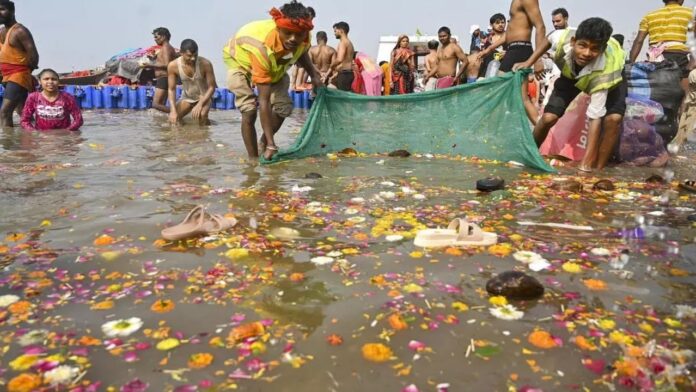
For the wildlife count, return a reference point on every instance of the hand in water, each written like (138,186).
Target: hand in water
(197,110)
(173,118)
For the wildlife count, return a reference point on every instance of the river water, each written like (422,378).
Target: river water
(79,239)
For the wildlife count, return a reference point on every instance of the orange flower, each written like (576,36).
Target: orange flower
(627,367)
(20,307)
(397,322)
(453,252)
(585,344)
(103,240)
(595,284)
(376,352)
(334,340)
(297,277)
(104,305)
(162,306)
(542,339)
(25,382)
(4,249)
(200,360)
(245,331)
(15,237)
(89,341)
(500,250)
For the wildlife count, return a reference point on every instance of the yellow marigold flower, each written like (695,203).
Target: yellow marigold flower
(376,352)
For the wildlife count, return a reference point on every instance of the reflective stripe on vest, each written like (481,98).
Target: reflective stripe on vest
(606,79)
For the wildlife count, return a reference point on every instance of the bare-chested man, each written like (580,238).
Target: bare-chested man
(18,57)
(322,55)
(525,16)
(165,55)
(449,55)
(431,61)
(198,84)
(342,64)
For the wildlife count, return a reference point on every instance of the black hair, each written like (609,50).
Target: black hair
(596,30)
(47,70)
(312,13)
(321,36)
(381,63)
(444,29)
(433,44)
(188,45)
(295,10)
(620,38)
(498,17)
(562,11)
(342,26)
(163,31)
(8,4)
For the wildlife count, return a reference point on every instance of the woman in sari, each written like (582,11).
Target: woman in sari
(403,67)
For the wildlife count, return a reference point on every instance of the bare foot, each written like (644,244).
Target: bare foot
(270,152)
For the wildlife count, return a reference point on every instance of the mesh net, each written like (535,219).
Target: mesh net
(485,119)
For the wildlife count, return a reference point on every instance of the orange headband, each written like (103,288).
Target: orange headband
(297,25)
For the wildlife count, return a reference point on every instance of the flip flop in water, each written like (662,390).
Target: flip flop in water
(198,222)
(688,185)
(459,233)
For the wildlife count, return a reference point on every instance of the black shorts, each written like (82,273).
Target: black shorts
(564,92)
(15,92)
(162,83)
(681,59)
(344,80)
(517,52)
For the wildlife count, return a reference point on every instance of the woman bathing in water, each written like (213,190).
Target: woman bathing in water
(51,108)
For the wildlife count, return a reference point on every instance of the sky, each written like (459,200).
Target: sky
(81,34)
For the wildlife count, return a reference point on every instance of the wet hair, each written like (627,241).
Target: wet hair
(163,31)
(48,70)
(444,29)
(498,17)
(188,45)
(433,44)
(342,26)
(312,13)
(321,36)
(596,30)
(562,11)
(295,10)
(8,4)
(620,38)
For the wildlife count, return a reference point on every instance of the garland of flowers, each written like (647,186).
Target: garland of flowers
(384,225)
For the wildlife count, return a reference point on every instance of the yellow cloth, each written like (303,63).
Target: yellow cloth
(386,69)
(668,24)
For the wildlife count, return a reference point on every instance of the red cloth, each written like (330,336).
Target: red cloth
(358,85)
(11,69)
(297,25)
(48,115)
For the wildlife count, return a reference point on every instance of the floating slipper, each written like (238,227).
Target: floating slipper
(458,233)
(688,185)
(490,184)
(197,223)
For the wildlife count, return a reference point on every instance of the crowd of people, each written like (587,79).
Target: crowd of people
(588,59)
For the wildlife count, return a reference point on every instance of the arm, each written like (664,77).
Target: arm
(171,92)
(207,69)
(637,46)
(542,44)
(75,113)
(28,113)
(494,46)
(305,62)
(27,42)
(266,113)
(464,63)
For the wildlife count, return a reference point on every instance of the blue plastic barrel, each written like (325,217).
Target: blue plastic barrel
(229,99)
(122,99)
(132,98)
(296,99)
(178,92)
(97,97)
(145,95)
(305,99)
(108,96)
(219,98)
(86,96)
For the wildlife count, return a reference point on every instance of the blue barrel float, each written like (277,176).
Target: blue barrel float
(122,99)
(229,100)
(145,95)
(2,93)
(97,97)
(133,98)
(219,99)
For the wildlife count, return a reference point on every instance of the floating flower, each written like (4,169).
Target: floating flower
(200,360)
(595,284)
(584,344)
(542,339)
(104,240)
(297,277)
(607,324)
(334,340)
(539,265)
(397,322)
(135,385)
(104,305)
(619,337)
(498,300)
(413,288)
(245,331)
(168,344)
(121,328)
(162,306)
(507,312)
(33,337)
(600,252)
(685,311)
(376,352)
(20,307)
(23,362)
(7,300)
(237,254)
(394,238)
(322,260)
(500,250)
(25,382)
(573,268)
(526,257)
(62,375)
(460,306)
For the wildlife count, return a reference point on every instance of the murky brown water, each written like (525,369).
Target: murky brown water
(127,176)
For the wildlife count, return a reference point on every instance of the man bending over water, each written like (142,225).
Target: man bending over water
(197,84)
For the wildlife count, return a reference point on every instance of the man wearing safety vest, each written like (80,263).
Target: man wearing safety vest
(260,55)
(591,62)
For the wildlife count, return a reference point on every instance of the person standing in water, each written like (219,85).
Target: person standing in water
(342,65)
(322,55)
(198,84)
(18,58)
(50,108)
(449,55)
(165,55)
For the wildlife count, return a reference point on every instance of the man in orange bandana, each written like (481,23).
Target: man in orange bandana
(260,54)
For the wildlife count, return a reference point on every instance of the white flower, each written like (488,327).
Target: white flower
(8,299)
(387,195)
(351,211)
(387,183)
(62,375)
(507,312)
(322,260)
(394,238)
(539,265)
(407,190)
(121,328)
(527,257)
(685,311)
(357,200)
(419,196)
(356,219)
(335,253)
(600,252)
(33,337)
(299,189)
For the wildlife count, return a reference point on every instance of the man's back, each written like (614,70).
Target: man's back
(668,24)
(431,61)
(322,56)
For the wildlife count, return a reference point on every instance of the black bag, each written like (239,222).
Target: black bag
(665,85)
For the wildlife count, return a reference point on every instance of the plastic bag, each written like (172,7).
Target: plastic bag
(568,137)
(641,145)
(643,109)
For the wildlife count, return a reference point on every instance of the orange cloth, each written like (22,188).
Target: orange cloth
(296,25)
(387,78)
(15,64)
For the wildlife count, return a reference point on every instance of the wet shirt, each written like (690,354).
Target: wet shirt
(41,114)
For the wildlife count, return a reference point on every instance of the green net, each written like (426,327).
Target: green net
(484,119)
